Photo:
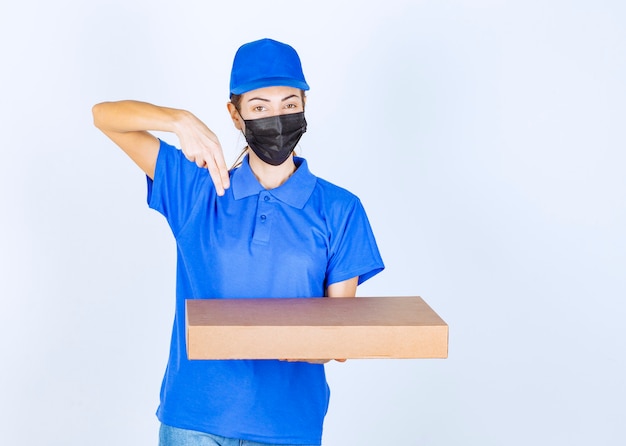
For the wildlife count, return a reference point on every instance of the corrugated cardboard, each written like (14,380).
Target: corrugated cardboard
(314,328)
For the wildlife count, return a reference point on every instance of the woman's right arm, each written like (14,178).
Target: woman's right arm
(127,124)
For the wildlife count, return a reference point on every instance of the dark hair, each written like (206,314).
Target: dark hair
(235,99)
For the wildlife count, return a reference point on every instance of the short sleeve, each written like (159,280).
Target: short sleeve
(354,251)
(177,186)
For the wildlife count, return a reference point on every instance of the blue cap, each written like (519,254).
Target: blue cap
(266,63)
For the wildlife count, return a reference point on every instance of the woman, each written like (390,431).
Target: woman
(268,228)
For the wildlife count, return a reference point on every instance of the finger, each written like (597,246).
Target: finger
(216,176)
(218,171)
(220,162)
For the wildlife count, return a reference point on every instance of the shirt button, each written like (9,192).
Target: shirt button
(266,198)
(263,218)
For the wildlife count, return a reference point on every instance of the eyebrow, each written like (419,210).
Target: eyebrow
(267,100)
(289,97)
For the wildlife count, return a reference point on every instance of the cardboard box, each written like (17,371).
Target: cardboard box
(314,328)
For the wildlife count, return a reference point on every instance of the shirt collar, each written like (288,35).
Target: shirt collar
(295,191)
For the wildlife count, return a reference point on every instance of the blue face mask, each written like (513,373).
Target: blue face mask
(273,139)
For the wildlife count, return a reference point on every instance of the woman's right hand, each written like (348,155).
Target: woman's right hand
(201,146)
(128,123)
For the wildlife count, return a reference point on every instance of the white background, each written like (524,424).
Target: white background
(485,138)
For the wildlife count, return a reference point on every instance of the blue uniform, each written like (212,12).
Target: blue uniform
(292,241)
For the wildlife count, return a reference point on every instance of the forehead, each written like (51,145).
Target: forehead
(272,94)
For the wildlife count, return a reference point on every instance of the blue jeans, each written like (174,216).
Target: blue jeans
(173,436)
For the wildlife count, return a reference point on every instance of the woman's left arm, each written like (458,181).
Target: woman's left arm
(347,288)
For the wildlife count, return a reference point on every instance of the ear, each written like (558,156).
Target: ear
(235,116)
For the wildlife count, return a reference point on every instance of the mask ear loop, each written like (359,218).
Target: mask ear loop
(244,151)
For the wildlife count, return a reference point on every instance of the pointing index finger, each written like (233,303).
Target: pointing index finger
(219,173)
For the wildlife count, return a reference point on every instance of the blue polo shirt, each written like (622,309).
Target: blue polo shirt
(292,241)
